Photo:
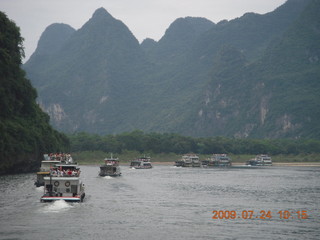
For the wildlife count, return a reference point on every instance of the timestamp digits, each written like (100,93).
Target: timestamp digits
(262,214)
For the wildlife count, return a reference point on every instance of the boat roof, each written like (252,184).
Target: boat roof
(220,156)
(141,160)
(265,156)
(190,155)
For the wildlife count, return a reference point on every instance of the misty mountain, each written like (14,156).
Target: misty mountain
(93,69)
(178,39)
(235,78)
(276,95)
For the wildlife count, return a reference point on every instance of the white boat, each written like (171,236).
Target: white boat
(188,160)
(217,160)
(260,160)
(110,167)
(141,163)
(63,183)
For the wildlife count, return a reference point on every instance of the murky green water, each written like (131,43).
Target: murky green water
(167,202)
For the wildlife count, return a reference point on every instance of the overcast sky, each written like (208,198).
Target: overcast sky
(145,18)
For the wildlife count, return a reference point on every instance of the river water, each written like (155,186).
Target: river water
(168,202)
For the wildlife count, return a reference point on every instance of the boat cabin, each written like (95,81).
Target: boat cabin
(217,160)
(50,162)
(260,160)
(141,163)
(110,168)
(188,160)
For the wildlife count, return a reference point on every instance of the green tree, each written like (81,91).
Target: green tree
(25,133)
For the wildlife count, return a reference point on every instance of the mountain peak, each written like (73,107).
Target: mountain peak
(54,36)
(101,12)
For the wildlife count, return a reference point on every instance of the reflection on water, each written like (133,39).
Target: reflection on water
(167,202)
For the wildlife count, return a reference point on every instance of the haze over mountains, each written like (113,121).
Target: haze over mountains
(255,76)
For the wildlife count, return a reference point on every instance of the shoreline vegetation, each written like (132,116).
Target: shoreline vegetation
(97,157)
(283,164)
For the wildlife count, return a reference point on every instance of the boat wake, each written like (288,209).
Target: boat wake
(40,189)
(57,206)
(107,177)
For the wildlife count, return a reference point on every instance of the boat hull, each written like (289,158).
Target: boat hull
(217,166)
(70,189)
(67,199)
(141,163)
(109,175)
(141,167)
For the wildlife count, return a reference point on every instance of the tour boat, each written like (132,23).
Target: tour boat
(110,167)
(141,163)
(179,163)
(217,160)
(260,160)
(63,183)
(188,160)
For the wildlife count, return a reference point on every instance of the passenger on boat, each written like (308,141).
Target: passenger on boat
(74,173)
(54,173)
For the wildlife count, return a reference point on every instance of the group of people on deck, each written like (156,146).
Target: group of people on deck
(62,157)
(65,173)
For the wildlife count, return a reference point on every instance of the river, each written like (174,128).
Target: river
(168,202)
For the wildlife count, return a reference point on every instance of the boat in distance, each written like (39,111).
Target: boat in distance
(260,160)
(217,160)
(141,163)
(110,167)
(188,160)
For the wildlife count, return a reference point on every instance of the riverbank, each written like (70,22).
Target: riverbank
(97,157)
(284,164)
(298,164)
(278,164)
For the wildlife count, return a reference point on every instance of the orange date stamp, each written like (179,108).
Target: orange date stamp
(261,214)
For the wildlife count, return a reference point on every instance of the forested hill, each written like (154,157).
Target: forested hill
(25,132)
(275,96)
(254,76)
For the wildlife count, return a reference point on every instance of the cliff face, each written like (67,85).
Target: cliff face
(89,76)
(25,133)
(239,78)
(273,97)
